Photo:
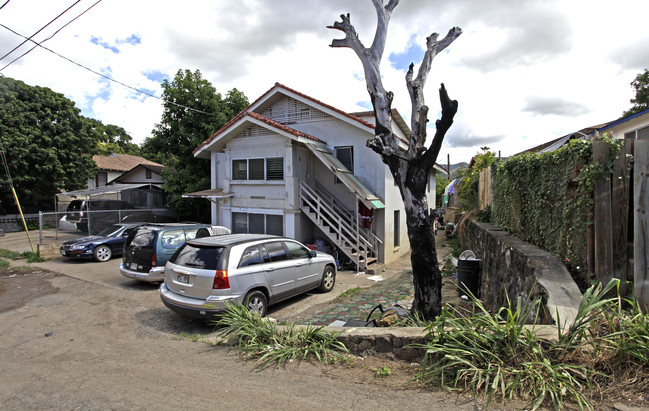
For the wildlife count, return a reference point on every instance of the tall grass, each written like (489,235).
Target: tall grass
(498,356)
(271,344)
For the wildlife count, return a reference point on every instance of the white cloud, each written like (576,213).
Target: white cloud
(523,72)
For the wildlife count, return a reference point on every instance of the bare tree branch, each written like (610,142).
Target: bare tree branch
(416,86)
(449,108)
(384,143)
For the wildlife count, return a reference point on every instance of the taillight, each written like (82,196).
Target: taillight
(153,259)
(221,280)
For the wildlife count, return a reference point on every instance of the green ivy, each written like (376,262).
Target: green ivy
(546,199)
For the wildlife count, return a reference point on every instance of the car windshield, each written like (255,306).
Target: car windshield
(205,258)
(110,231)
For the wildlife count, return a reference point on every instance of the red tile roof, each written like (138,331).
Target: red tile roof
(247,111)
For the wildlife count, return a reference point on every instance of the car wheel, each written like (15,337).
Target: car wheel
(102,253)
(257,303)
(328,279)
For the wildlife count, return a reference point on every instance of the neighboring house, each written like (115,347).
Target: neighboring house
(114,165)
(124,177)
(294,166)
(635,126)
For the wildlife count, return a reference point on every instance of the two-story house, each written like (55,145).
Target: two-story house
(294,166)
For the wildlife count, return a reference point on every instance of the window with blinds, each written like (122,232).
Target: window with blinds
(258,169)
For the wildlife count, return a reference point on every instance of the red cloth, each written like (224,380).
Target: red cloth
(366,215)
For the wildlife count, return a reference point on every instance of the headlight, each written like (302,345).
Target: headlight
(78,247)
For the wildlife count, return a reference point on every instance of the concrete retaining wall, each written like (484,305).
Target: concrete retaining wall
(512,268)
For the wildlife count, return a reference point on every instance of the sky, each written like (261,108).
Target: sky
(524,71)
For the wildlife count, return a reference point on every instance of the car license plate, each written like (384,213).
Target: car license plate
(183,278)
(133,266)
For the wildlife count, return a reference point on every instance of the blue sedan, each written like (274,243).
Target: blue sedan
(100,247)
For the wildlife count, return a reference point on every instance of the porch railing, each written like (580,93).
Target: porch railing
(340,225)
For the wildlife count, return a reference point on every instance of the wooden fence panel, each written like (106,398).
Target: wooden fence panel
(641,229)
(620,213)
(485,195)
(602,218)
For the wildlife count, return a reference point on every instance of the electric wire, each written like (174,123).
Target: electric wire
(1,7)
(41,29)
(55,33)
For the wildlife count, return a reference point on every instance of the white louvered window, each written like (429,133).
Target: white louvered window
(258,169)
(288,110)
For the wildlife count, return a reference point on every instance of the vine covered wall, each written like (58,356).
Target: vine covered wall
(547,199)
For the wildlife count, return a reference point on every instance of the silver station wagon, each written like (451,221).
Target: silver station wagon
(251,269)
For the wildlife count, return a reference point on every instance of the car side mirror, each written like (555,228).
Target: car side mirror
(312,253)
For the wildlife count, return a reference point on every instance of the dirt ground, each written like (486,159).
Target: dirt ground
(69,343)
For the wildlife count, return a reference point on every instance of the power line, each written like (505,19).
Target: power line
(55,33)
(107,77)
(41,29)
(1,7)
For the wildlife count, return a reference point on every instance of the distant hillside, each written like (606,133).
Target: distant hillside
(459,165)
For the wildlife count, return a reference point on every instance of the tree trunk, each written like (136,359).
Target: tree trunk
(427,278)
(410,167)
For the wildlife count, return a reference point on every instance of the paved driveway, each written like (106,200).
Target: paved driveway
(107,274)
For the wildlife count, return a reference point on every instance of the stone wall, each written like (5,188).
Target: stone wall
(512,268)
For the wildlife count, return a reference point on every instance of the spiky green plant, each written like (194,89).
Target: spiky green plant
(497,355)
(269,344)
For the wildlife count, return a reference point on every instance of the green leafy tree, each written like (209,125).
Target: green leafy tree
(468,191)
(113,139)
(441,181)
(641,100)
(48,145)
(193,110)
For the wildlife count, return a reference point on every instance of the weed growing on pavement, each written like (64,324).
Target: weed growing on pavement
(11,255)
(350,292)
(382,372)
(496,355)
(4,264)
(269,343)
(32,257)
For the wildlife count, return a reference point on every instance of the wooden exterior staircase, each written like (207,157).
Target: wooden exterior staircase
(341,226)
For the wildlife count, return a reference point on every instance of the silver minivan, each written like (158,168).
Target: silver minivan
(252,269)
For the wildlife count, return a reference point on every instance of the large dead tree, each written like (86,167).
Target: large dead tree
(411,167)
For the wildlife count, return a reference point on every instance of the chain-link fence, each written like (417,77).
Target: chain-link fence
(56,225)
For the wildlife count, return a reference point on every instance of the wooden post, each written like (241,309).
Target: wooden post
(641,230)
(620,214)
(602,218)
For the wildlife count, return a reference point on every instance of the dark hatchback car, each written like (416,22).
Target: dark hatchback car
(148,248)
(100,247)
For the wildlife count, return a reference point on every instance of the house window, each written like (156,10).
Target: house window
(148,174)
(643,133)
(254,223)
(346,156)
(397,228)
(258,169)
(640,134)
(102,179)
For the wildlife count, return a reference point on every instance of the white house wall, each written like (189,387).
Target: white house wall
(632,125)
(139,176)
(272,197)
